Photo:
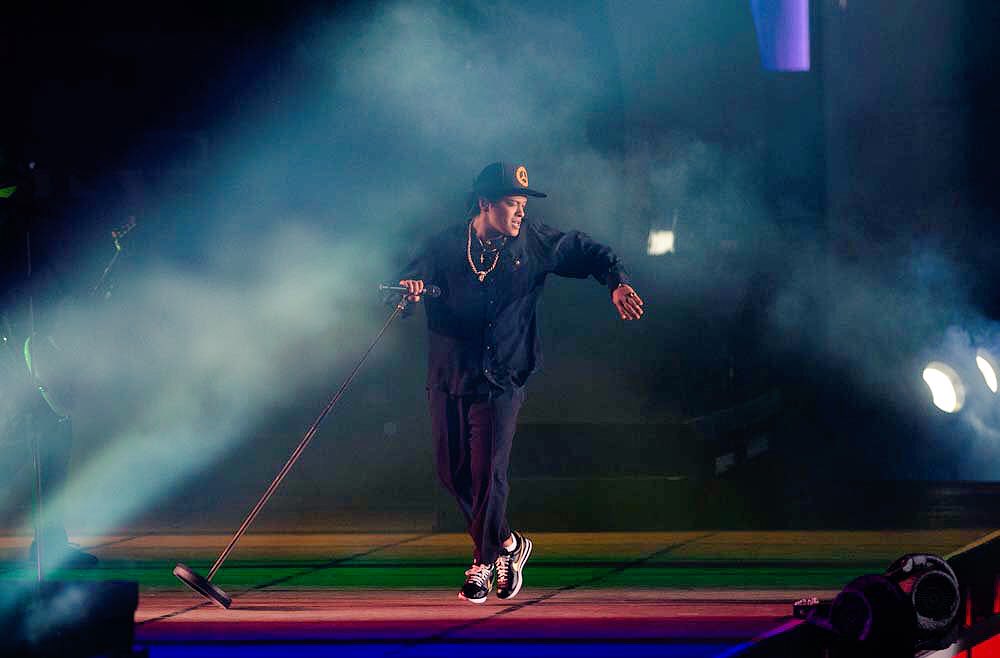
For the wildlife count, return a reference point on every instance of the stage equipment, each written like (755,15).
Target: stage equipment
(103,287)
(957,625)
(49,379)
(870,617)
(782,33)
(68,619)
(660,242)
(913,606)
(988,367)
(946,386)
(873,609)
(203,585)
(932,588)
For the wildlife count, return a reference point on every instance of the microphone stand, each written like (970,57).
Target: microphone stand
(310,433)
(116,236)
(30,424)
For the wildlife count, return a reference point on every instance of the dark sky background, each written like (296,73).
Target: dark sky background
(835,228)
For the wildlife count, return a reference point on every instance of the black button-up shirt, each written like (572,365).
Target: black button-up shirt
(485,335)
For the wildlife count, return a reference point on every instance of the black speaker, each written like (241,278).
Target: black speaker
(932,588)
(874,610)
(68,619)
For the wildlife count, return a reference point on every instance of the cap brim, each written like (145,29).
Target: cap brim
(514,191)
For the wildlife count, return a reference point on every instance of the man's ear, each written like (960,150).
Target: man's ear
(484,204)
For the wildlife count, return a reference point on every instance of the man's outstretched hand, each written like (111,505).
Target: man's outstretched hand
(628,302)
(416,289)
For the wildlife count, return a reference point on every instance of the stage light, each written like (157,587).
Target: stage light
(946,386)
(660,242)
(987,366)
(782,33)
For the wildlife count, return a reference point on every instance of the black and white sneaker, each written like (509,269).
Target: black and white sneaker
(509,567)
(478,583)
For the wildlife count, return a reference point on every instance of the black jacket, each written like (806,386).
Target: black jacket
(486,334)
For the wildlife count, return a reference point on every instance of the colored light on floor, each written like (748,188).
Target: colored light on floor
(440,649)
(988,649)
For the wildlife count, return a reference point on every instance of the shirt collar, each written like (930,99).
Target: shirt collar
(513,250)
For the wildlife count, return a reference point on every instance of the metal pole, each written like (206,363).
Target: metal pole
(32,428)
(37,516)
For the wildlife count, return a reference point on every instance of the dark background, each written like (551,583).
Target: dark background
(834,233)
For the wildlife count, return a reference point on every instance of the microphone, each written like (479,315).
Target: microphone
(430,291)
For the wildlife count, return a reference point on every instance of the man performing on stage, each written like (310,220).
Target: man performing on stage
(483,347)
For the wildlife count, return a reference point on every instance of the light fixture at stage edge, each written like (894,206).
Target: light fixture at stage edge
(946,386)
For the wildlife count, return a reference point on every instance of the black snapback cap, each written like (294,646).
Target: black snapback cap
(503,179)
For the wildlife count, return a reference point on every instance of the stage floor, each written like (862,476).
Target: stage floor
(679,594)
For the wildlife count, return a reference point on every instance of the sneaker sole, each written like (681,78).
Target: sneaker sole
(476,601)
(520,581)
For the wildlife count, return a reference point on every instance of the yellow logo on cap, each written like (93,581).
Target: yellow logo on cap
(521,174)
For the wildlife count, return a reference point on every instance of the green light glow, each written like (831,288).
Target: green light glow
(7,192)
(407,575)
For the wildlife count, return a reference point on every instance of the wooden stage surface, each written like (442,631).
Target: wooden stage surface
(642,594)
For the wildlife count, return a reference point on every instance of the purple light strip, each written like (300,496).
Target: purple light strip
(782,33)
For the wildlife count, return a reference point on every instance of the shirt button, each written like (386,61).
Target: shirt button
(486,372)
(488,348)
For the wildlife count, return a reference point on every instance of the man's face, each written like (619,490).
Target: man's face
(505,214)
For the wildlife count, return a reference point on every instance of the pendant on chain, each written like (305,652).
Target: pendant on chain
(482,276)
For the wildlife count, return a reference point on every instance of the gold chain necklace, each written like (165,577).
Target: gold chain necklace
(468,253)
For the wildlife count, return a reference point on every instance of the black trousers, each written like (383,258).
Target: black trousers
(473,435)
